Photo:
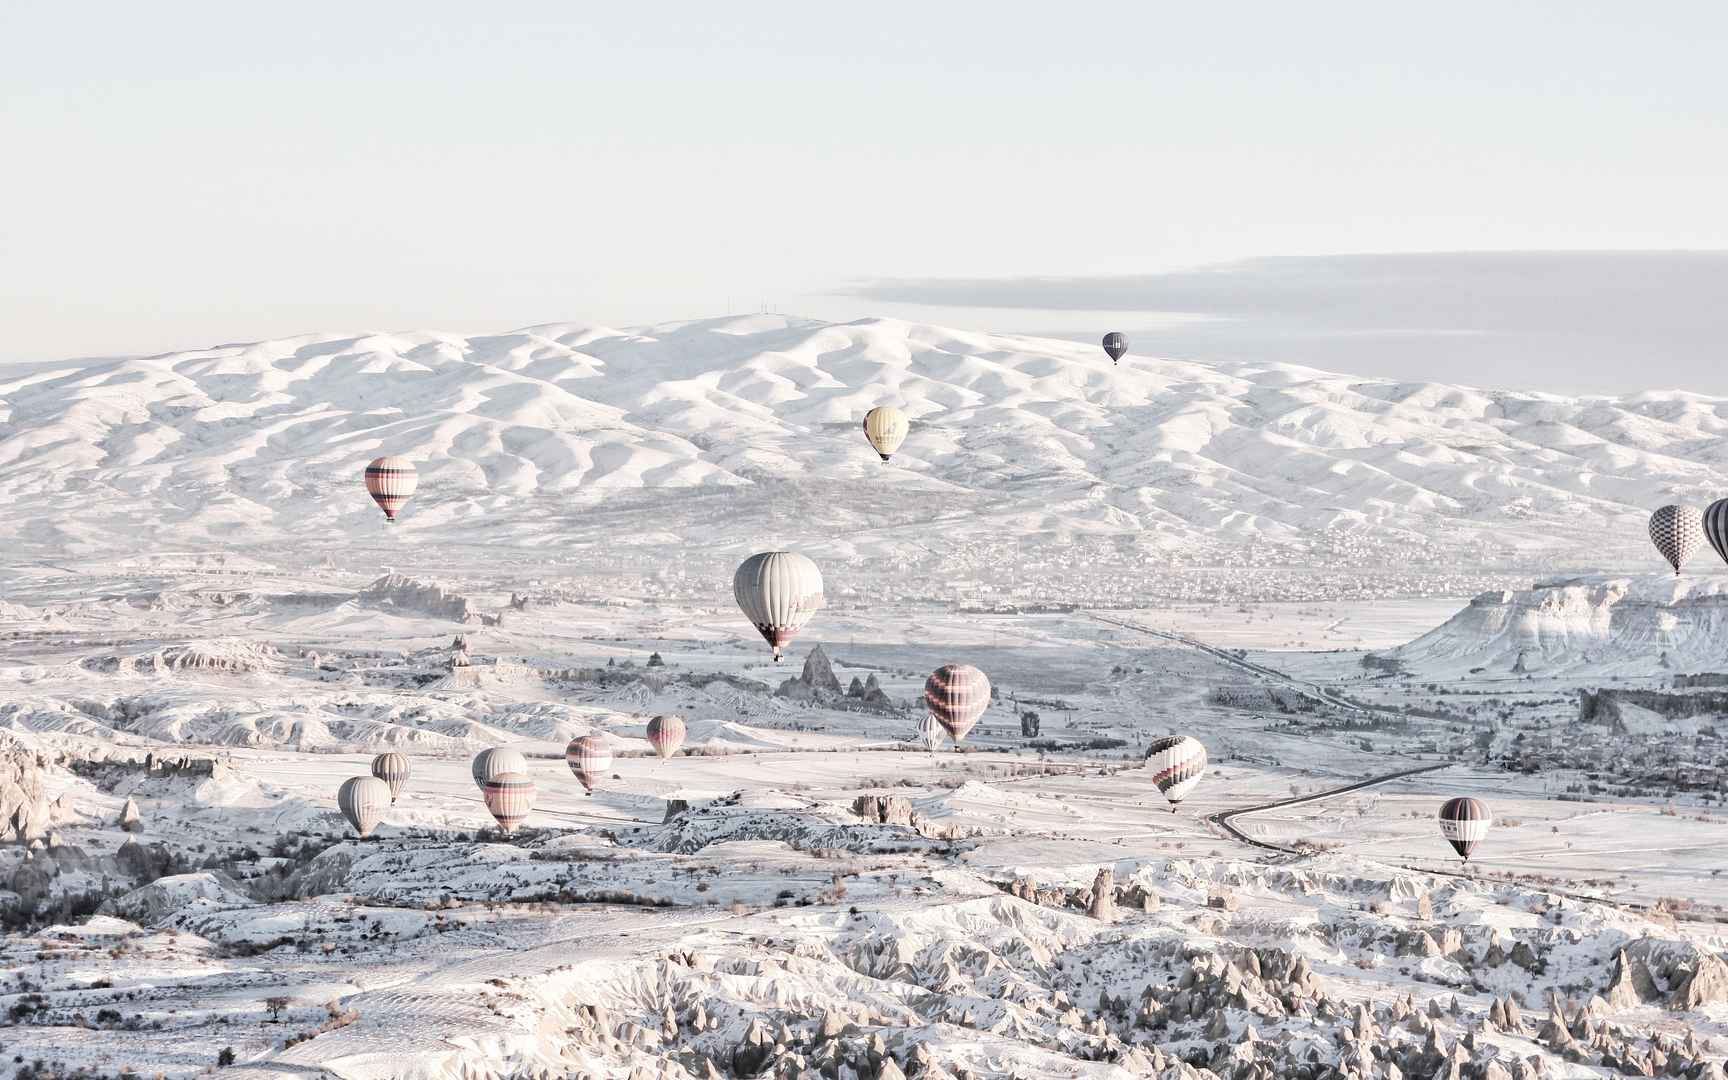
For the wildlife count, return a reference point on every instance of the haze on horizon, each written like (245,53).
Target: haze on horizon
(227,173)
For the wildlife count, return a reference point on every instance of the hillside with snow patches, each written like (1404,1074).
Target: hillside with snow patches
(569,434)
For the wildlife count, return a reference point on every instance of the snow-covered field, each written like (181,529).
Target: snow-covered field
(1326,580)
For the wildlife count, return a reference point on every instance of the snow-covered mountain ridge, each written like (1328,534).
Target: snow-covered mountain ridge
(561,433)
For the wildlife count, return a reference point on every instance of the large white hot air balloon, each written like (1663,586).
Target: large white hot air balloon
(363,800)
(391,482)
(886,428)
(497,761)
(778,591)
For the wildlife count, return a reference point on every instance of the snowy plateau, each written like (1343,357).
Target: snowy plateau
(1363,597)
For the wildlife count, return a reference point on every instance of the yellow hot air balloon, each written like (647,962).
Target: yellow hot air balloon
(886,428)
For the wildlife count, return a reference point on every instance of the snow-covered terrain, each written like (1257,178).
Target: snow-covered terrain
(207,628)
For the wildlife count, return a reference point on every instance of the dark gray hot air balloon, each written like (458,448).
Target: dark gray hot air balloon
(1677,531)
(1116,344)
(363,800)
(1716,527)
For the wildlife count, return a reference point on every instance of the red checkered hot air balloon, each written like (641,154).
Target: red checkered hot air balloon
(957,695)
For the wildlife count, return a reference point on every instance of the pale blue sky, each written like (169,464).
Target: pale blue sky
(178,174)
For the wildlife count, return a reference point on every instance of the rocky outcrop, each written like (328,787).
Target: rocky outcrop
(1707,985)
(1103,905)
(885,809)
(398,592)
(815,682)
(25,809)
(130,821)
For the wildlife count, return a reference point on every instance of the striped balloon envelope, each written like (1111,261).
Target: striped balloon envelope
(929,733)
(886,427)
(497,761)
(588,757)
(666,735)
(363,800)
(957,695)
(510,797)
(1716,527)
(392,768)
(778,591)
(1177,762)
(391,481)
(1464,822)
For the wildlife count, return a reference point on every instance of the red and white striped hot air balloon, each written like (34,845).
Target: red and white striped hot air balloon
(391,482)
(588,757)
(666,735)
(510,797)
(957,695)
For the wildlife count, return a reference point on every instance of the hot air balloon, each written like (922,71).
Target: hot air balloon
(1677,531)
(666,735)
(1116,344)
(1716,527)
(778,592)
(1176,762)
(362,800)
(886,428)
(589,757)
(392,768)
(392,481)
(929,733)
(510,797)
(1464,822)
(957,695)
(496,762)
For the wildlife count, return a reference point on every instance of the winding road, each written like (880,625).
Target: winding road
(1224,818)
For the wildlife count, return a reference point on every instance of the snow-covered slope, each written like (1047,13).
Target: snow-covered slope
(1595,626)
(747,429)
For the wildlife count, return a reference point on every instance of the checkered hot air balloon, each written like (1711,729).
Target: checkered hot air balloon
(886,428)
(1464,822)
(392,768)
(957,695)
(1677,531)
(666,735)
(778,591)
(391,481)
(1177,762)
(588,757)
(510,797)
(496,762)
(363,800)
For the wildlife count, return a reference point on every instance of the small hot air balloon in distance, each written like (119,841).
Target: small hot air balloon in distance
(1677,531)
(391,481)
(392,768)
(1116,344)
(886,428)
(1464,822)
(957,695)
(588,757)
(510,797)
(1716,527)
(1177,762)
(363,800)
(778,591)
(497,761)
(666,735)
(929,733)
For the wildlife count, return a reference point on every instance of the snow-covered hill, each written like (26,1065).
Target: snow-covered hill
(1590,626)
(746,430)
